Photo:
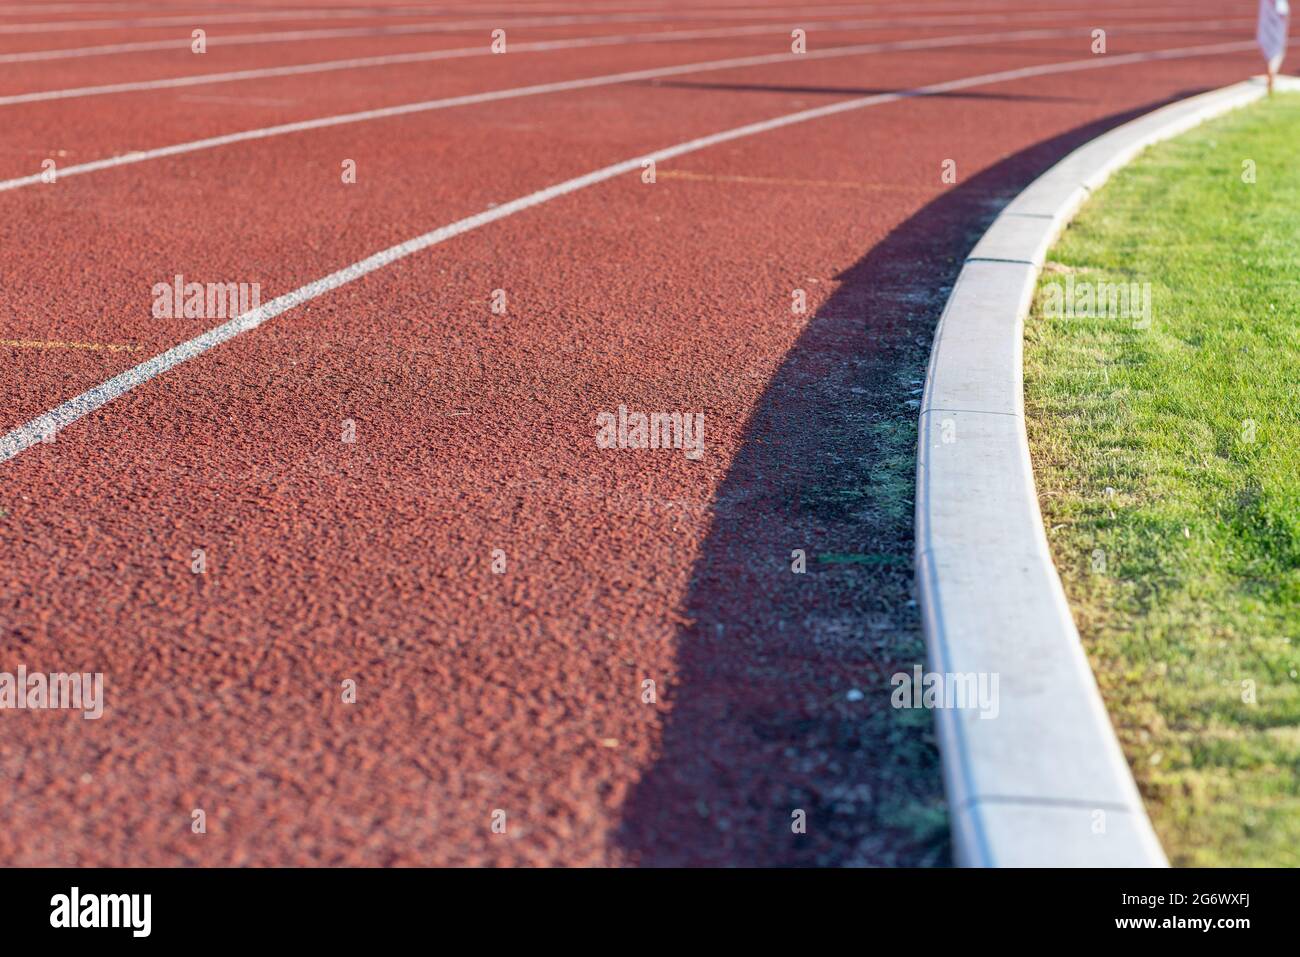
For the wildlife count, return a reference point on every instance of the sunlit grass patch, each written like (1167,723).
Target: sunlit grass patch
(1167,456)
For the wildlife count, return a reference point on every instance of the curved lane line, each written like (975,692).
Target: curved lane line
(324,122)
(408,29)
(25,436)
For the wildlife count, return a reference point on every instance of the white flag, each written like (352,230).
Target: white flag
(1271,35)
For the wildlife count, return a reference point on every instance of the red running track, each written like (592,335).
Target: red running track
(497,586)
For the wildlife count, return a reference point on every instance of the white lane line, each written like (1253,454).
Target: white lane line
(28,8)
(247,38)
(482,49)
(200,8)
(324,122)
(193,19)
(506,20)
(514,20)
(389,59)
(410,29)
(25,436)
(374,10)
(66,7)
(434,10)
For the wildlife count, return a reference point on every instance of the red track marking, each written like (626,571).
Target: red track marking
(370,560)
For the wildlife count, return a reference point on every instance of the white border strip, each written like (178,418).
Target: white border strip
(1044,783)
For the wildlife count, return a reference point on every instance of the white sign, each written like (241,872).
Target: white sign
(1271,35)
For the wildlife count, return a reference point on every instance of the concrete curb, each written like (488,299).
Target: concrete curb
(1044,783)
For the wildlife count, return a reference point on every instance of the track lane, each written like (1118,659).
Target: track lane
(654,74)
(458,174)
(868,18)
(42,129)
(272,63)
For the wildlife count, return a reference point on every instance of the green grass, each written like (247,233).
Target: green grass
(1174,521)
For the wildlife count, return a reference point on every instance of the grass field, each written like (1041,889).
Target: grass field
(1167,455)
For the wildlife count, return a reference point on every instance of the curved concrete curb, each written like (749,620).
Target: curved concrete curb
(1043,783)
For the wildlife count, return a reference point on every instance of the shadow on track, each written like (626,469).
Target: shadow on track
(781,701)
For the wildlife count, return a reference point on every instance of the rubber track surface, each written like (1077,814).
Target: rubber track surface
(519,689)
